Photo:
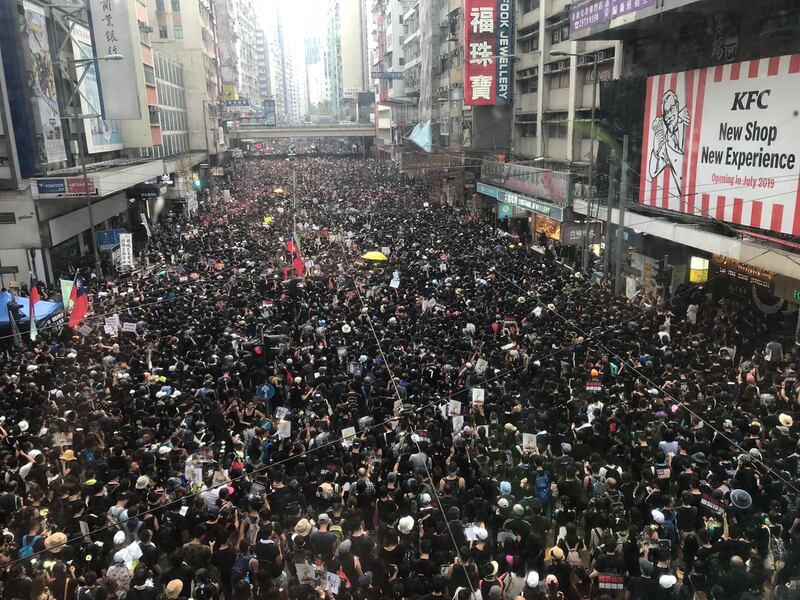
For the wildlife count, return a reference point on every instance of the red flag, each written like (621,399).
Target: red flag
(80,302)
(33,298)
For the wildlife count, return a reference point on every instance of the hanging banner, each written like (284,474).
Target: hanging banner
(126,250)
(111,28)
(101,135)
(489,50)
(721,143)
(44,84)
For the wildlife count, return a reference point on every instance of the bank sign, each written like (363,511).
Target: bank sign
(489,51)
(721,142)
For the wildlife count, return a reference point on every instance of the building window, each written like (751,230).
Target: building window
(162,32)
(527,129)
(8,218)
(160,5)
(559,81)
(176,5)
(559,34)
(529,5)
(603,73)
(529,86)
(531,44)
(557,130)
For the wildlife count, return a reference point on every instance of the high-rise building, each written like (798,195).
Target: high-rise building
(185,30)
(315,72)
(394,110)
(262,62)
(347,55)
(237,48)
(286,58)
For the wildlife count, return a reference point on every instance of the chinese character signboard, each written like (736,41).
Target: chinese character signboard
(125,250)
(111,28)
(101,135)
(489,52)
(600,12)
(721,143)
(44,84)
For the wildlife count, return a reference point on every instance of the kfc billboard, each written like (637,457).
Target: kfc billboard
(489,52)
(721,142)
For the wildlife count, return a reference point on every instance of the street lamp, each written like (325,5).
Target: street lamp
(85,62)
(585,257)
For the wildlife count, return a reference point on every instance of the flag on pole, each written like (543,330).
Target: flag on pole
(79,300)
(66,292)
(296,256)
(33,298)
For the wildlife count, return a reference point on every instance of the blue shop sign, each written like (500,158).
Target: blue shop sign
(530,204)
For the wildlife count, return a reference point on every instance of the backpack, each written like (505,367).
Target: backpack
(241,566)
(598,487)
(543,488)
(663,472)
(573,556)
(616,504)
(669,526)
(26,549)
(336,529)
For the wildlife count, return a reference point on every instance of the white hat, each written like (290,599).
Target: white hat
(658,516)
(481,533)
(424,498)
(503,503)
(532,580)
(23,426)
(298,380)
(346,328)
(667,581)
(119,538)
(405,525)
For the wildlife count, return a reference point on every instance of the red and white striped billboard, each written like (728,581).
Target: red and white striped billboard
(721,142)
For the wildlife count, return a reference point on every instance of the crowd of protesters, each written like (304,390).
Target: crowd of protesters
(467,420)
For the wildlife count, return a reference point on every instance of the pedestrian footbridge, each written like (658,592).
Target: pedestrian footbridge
(263,132)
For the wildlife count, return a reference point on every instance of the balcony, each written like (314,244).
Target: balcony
(530,18)
(558,99)
(526,103)
(528,60)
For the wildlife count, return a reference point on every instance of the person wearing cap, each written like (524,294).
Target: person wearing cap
(323,541)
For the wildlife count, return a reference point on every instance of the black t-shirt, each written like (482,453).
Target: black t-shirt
(609,563)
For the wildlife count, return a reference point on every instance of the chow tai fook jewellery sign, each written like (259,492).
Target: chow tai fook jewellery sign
(489,52)
(721,143)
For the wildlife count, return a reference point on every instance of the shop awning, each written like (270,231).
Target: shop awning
(533,205)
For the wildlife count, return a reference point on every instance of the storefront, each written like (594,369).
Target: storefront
(526,215)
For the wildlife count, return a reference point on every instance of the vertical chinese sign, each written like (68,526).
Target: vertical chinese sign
(489,52)
(112,30)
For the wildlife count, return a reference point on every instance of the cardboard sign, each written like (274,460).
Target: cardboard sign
(529,443)
(129,327)
(332,583)
(281,413)
(478,396)
(284,429)
(349,434)
(480,366)
(453,408)
(85,329)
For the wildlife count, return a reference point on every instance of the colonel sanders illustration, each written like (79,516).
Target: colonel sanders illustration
(669,132)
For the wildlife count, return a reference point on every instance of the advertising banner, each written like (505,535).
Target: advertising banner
(600,12)
(111,34)
(126,250)
(101,135)
(44,84)
(489,39)
(721,143)
(541,183)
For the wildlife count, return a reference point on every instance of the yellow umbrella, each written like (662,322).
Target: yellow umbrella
(374,255)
